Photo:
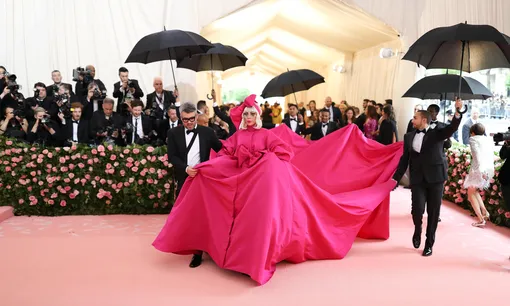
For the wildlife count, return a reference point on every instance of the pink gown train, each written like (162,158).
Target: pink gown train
(271,196)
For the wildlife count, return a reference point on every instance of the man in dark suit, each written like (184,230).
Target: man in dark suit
(141,125)
(335,115)
(475,113)
(189,145)
(172,122)
(56,77)
(160,100)
(126,90)
(294,121)
(323,127)
(75,129)
(106,125)
(423,152)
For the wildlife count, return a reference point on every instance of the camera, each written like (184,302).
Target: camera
(45,119)
(20,113)
(84,73)
(131,84)
(98,94)
(500,137)
(11,83)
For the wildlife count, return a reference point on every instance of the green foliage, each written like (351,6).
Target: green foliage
(236,95)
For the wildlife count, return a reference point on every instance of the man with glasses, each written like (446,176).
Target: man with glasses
(188,145)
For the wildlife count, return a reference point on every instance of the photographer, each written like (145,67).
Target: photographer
(85,77)
(75,130)
(3,79)
(13,126)
(125,91)
(504,173)
(172,122)
(93,101)
(40,99)
(43,130)
(139,127)
(160,100)
(56,77)
(106,125)
(10,96)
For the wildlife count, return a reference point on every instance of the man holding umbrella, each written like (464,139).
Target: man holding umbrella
(423,153)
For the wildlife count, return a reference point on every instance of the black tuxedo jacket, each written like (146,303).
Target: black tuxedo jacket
(439,125)
(226,118)
(147,127)
(428,165)
(99,123)
(169,99)
(48,104)
(316,130)
(176,148)
(120,95)
(164,129)
(300,128)
(66,131)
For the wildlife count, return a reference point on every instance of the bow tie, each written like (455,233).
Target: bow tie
(433,122)
(190,131)
(421,131)
(293,119)
(76,122)
(324,125)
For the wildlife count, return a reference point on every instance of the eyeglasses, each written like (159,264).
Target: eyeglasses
(190,119)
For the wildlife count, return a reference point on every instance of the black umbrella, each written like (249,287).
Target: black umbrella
(445,86)
(463,46)
(291,82)
(168,45)
(218,58)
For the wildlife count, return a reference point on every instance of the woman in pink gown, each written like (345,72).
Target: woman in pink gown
(250,207)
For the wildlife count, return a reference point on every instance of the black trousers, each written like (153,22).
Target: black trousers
(430,194)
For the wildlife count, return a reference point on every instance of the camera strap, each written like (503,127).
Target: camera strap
(191,142)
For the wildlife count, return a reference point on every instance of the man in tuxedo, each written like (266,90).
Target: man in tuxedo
(106,125)
(126,90)
(75,130)
(189,145)
(323,127)
(172,122)
(294,121)
(142,124)
(160,100)
(53,89)
(475,113)
(335,115)
(362,118)
(423,152)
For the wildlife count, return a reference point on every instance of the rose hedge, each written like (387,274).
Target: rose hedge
(459,159)
(84,181)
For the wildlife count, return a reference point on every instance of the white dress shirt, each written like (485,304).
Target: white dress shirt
(173,124)
(418,140)
(137,122)
(194,151)
(331,113)
(160,100)
(293,123)
(75,130)
(324,127)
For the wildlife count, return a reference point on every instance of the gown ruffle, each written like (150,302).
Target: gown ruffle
(271,196)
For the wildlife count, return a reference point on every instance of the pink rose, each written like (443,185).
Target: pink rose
(167,186)
(150,181)
(63,203)
(110,148)
(126,184)
(507,214)
(71,175)
(152,170)
(131,180)
(62,160)
(126,151)
(50,155)
(134,169)
(150,149)
(21,201)
(8,169)
(122,172)
(140,182)
(54,195)
(152,196)
(94,151)
(102,181)
(113,157)
(81,166)
(29,188)
(71,166)
(8,142)
(72,196)
(136,151)
(51,202)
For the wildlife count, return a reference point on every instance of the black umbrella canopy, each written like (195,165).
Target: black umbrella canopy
(478,47)
(218,58)
(168,45)
(445,86)
(291,82)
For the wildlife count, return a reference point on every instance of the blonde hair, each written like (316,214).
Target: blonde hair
(39,110)
(258,120)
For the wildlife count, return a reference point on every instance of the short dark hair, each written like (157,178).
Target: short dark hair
(425,114)
(136,103)
(477,129)
(201,104)
(39,84)
(171,107)
(324,110)
(292,105)
(108,101)
(389,101)
(434,107)
(55,71)
(123,69)
(373,102)
(188,108)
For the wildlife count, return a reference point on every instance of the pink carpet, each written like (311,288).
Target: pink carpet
(108,260)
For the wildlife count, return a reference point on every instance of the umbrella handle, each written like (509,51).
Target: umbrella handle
(464,111)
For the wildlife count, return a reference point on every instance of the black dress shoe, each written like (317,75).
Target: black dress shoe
(195,261)
(427,251)
(416,239)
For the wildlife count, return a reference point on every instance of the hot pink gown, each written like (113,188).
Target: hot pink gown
(271,196)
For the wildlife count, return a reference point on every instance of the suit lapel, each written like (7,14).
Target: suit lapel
(202,145)
(412,139)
